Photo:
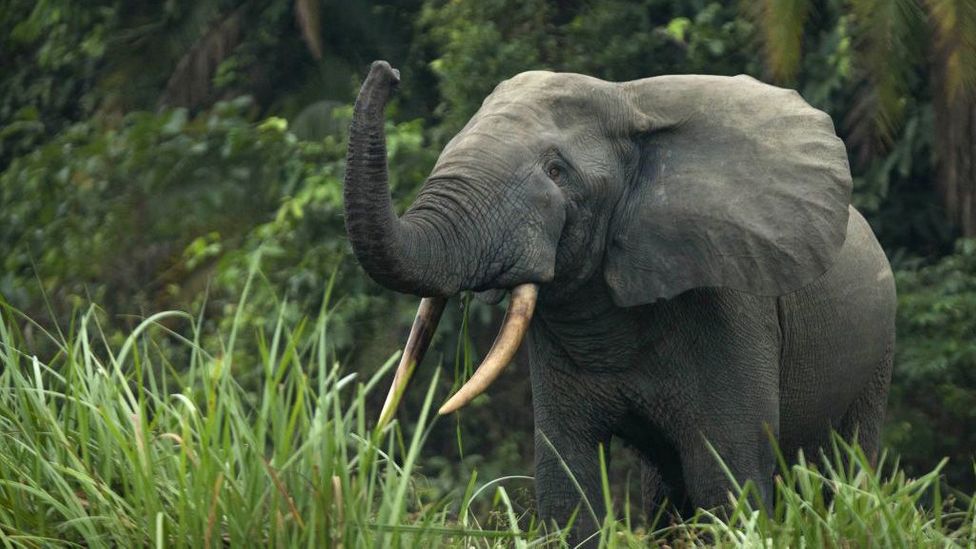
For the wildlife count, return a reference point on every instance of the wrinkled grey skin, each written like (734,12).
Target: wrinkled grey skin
(702,274)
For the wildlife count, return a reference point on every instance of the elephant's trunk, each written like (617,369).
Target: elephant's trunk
(394,252)
(434,250)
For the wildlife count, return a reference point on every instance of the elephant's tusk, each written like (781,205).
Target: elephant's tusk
(424,325)
(513,329)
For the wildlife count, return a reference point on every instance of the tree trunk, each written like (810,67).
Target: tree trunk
(955,123)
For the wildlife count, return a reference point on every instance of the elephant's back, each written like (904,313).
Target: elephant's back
(837,332)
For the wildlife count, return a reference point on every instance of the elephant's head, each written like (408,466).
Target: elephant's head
(657,185)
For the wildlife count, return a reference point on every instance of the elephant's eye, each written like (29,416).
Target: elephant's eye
(554,172)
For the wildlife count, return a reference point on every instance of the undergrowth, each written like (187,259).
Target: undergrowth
(117,446)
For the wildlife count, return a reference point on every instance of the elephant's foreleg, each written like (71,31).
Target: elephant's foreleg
(732,438)
(567,477)
(572,422)
(735,406)
(707,477)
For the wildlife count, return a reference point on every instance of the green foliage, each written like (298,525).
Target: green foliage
(893,191)
(932,407)
(114,446)
(106,212)
(843,500)
(298,244)
(141,216)
(483,43)
(50,49)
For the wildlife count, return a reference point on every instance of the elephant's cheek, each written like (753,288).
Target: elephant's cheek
(553,227)
(548,205)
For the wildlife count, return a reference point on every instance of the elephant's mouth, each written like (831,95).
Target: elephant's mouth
(516,323)
(491,297)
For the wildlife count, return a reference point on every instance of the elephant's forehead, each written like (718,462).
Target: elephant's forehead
(529,112)
(558,94)
(507,138)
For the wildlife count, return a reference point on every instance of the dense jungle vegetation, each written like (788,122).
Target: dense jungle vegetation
(188,156)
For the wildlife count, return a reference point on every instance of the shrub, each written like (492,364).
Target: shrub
(932,409)
(145,214)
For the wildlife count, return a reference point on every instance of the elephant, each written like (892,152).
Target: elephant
(684,265)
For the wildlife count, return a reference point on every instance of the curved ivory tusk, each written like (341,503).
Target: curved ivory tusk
(424,325)
(513,329)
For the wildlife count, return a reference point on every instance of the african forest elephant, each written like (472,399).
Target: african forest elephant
(689,251)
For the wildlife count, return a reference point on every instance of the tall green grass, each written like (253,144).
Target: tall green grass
(104,445)
(116,447)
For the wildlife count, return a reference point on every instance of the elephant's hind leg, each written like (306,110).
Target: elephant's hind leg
(864,419)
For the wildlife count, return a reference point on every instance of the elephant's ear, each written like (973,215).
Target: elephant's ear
(739,184)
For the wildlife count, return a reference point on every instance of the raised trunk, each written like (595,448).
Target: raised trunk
(396,253)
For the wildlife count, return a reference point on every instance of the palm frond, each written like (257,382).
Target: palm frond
(780,25)
(191,82)
(308,18)
(888,44)
(954,26)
